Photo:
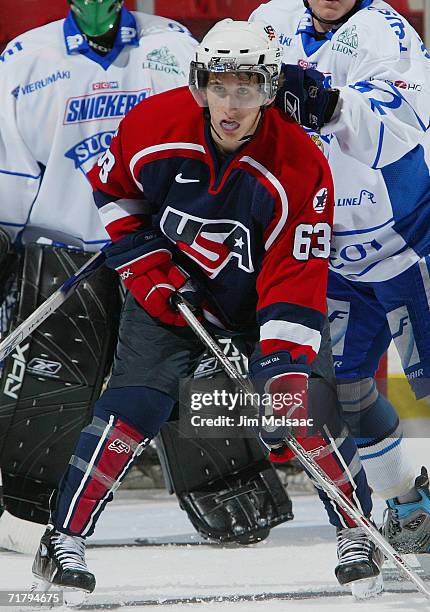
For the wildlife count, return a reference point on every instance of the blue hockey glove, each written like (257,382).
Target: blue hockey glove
(302,95)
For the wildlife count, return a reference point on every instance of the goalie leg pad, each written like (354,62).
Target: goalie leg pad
(227,487)
(52,380)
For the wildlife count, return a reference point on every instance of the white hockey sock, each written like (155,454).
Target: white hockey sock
(387,468)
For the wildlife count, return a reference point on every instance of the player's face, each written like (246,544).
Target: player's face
(234,104)
(330,9)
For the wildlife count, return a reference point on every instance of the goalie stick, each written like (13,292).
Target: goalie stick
(302,455)
(50,305)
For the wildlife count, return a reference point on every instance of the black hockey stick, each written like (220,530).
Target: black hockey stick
(50,305)
(302,455)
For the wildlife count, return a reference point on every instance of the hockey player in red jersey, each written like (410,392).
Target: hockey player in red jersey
(212,192)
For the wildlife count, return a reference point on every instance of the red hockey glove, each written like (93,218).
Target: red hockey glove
(281,454)
(144,263)
(283,390)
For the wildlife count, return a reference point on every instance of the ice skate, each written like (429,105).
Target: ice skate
(60,564)
(359,563)
(407,526)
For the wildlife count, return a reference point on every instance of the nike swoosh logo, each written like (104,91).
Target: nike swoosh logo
(179,179)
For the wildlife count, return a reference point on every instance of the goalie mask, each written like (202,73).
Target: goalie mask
(250,51)
(96,17)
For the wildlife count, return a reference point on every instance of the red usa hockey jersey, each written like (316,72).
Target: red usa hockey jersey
(254,229)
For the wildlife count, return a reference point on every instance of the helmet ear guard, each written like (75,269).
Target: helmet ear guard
(239,48)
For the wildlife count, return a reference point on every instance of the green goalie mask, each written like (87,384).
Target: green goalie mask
(95,17)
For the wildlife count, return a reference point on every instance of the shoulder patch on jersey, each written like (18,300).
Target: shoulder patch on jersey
(320,200)
(397,23)
(9,52)
(154,24)
(316,138)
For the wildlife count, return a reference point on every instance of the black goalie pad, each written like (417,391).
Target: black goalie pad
(227,486)
(51,381)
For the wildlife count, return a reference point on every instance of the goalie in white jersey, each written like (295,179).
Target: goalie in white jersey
(357,73)
(64,93)
(65,88)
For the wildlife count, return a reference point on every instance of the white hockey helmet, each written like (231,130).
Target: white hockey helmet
(238,47)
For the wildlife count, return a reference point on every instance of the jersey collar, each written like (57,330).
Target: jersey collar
(76,43)
(307,32)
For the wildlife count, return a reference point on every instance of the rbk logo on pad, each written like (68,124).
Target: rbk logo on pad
(212,244)
(43,366)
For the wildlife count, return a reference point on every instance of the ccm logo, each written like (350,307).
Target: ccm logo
(16,376)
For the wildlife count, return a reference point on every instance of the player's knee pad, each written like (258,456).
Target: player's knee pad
(104,454)
(368,413)
(144,408)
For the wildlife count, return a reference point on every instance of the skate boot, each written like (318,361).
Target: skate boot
(359,563)
(60,563)
(407,526)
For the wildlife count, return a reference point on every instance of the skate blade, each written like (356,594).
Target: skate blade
(39,588)
(74,598)
(367,588)
(40,585)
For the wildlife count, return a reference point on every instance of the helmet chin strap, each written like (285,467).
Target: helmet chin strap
(333,22)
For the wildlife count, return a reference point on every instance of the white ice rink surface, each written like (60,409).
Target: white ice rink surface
(292,569)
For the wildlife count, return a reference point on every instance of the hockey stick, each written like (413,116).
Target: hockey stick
(50,305)
(303,456)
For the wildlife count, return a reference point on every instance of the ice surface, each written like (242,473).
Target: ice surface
(295,564)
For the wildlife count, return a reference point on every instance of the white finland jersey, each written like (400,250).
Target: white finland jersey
(375,145)
(61,104)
